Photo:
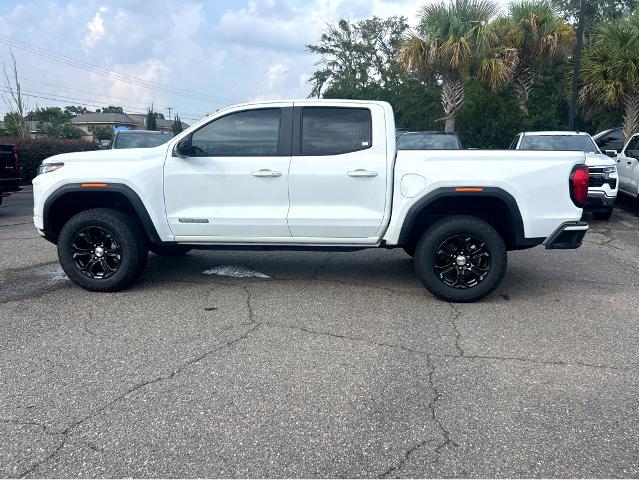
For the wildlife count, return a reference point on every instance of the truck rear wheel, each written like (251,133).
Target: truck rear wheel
(603,215)
(460,259)
(102,249)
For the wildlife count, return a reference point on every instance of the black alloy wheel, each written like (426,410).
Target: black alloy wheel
(460,258)
(462,261)
(96,252)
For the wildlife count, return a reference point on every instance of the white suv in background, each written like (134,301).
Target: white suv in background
(603,185)
(628,166)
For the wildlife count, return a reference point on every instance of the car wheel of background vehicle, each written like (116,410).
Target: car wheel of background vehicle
(460,259)
(169,250)
(102,249)
(605,215)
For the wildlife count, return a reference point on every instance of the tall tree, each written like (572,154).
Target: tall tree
(176,126)
(110,109)
(454,41)
(14,99)
(610,70)
(151,119)
(358,57)
(596,10)
(74,111)
(540,36)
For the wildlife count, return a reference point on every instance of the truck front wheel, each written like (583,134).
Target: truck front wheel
(102,249)
(460,259)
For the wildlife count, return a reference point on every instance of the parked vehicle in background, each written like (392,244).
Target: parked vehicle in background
(10,180)
(628,167)
(139,139)
(428,141)
(399,132)
(310,174)
(603,185)
(611,139)
(104,144)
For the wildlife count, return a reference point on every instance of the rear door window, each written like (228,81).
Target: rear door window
(333,131)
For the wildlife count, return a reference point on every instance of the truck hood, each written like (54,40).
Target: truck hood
(599,160)
(123,154)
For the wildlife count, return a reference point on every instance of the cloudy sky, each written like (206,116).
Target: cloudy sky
(226,51)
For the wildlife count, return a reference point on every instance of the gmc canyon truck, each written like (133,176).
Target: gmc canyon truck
(313,175)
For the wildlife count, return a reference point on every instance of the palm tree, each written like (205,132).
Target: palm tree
(540,35)
(455,40)
(610,70)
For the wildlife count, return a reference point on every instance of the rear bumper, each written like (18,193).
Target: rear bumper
(10,184)
(598,200)
(568,235)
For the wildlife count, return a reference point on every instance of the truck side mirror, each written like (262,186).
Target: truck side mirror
(183,148)
(611,153)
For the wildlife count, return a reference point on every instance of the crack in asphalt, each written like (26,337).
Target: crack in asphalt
(560,363)
(447,437)
(161,378)
(321,266)
(453,320)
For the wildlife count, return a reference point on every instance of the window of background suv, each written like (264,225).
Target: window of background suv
(248,133)
(579,143)
(332,131)
(133,139)
(428,141)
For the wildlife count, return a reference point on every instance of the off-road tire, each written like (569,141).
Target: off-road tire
(426,257)
(602,215)
(131,241)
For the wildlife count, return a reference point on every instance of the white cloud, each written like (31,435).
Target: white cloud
(231,50)
(95,29)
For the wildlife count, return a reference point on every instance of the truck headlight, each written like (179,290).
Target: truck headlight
(49,167)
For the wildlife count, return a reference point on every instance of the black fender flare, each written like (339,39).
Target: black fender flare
(117,188)
(519,238)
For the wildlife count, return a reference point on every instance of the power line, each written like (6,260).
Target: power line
(114,99)
(108,73)
(72,101)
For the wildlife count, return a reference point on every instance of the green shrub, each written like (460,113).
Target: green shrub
(32,151)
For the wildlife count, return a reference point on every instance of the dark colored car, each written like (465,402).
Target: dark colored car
(139,139)
(428,141)
(611,139)
(10,180)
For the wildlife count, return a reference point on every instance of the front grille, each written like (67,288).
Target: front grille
(598,178)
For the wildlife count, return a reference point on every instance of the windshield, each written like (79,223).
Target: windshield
(140,139)
(579,143)
(428,141)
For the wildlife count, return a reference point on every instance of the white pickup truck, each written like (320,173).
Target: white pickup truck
(309,174)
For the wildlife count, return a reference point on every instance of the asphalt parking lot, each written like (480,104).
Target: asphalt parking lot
(328,364)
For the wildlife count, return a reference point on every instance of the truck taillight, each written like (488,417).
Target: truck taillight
(16,162)
(579,178)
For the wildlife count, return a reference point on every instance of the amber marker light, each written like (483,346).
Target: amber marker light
(93,185)
(469,189)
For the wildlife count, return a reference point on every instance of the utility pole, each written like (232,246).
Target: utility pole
(577,64)
(169,109)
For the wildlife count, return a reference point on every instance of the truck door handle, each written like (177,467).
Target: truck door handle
(360,172)
(266,173)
